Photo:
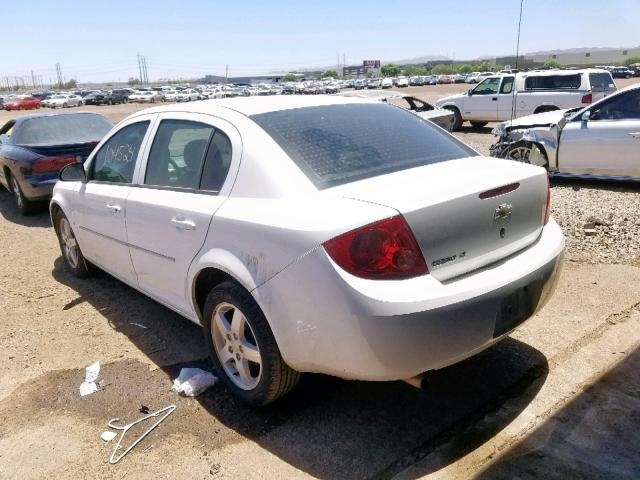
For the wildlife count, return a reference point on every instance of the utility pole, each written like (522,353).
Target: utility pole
(226,77)
(33,79)
(146,73)
(139,68)
(59,74)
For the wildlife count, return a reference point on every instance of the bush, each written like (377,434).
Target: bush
(631,61)
(390,70)
(549,64)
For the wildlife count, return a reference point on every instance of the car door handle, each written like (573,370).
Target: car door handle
(494,99)
(635,134)
(114,208)
(183,224)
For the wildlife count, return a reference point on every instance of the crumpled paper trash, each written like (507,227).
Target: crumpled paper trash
(90,376)
(193,381)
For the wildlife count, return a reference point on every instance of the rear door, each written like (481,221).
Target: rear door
(607,144)
(178,191)
(102,200)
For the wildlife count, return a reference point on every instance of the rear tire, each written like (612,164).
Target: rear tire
(74,260)
(457,122)
(237,333)
(478,124)
(543,109)
(25,206)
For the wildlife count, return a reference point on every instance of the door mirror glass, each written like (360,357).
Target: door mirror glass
(586,116)
(74,172)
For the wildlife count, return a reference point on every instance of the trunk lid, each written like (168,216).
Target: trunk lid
(465,213)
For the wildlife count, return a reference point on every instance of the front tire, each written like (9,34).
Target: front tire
(457,122)
(74,260)
(478,124)
(242,347)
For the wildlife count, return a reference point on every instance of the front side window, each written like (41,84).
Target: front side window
(625,106)
(489,86)
(177,154)
(338,144)
(116,160)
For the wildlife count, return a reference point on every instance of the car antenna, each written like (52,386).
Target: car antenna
(513,93)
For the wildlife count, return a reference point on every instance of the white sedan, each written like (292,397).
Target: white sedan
(313,234)
(188,95)
(63,101)
(146,96)
(598,141)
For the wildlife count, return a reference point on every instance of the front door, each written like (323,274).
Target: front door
(506,100)
(608,143)
(178,192)
(101,228)
(482,103)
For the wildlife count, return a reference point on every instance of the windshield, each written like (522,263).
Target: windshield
(61,129)
(338,144)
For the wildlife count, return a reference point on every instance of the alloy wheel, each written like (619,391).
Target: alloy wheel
(519,154)
(16,191)
(69,243)
(236,346)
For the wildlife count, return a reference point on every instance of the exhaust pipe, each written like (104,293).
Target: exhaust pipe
(419,381)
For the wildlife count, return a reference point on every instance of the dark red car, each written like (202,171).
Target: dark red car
(311,90)
(22,103)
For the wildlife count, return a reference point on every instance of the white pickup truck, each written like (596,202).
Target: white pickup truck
(502,97)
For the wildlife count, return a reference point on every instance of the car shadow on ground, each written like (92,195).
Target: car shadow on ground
(9,210)
(326,427)
(596,435)
(608,185)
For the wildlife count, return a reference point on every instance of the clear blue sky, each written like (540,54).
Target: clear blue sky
(99,40)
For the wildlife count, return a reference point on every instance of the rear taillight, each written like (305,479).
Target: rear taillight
(547,208)
(588,98)
(382,250)
(51,164)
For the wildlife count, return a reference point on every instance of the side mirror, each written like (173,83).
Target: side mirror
(74,172)
(470,92)
(586,116)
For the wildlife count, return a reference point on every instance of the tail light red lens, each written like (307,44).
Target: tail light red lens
(547,208)
(51,164)
(588,98)
(382,250)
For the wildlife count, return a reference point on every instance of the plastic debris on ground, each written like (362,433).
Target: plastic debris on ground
(108,436)
(193,381)
(90,376)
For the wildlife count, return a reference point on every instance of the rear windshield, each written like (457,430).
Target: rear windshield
(338,144)
(552,82)
(61,129)
(601,82)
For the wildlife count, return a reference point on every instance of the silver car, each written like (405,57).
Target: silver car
(598,141)
(313,234)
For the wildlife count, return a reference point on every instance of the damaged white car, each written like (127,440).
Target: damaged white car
(599,141)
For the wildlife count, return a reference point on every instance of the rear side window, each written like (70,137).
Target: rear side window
(552,82)
(116,159)
(177,154)
(338,144)
(601,82)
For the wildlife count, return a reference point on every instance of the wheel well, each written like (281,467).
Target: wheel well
(545,108)
(53,210)
(7,176)
(206,280)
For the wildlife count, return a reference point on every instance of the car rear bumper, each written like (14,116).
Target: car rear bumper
(328,321)
(38,188)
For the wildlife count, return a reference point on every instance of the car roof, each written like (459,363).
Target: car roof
(256,105)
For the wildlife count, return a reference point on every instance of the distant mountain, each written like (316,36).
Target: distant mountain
(578,50)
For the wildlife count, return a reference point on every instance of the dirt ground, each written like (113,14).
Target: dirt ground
(559,398)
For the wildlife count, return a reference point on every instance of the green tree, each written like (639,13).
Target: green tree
(390,70)
(414,70)
(133,81)
(549,64)
(631,61)
(329,73)
(464,68)
(290,77)
(442,69)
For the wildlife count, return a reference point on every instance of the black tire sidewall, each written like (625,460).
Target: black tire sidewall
(234,294)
